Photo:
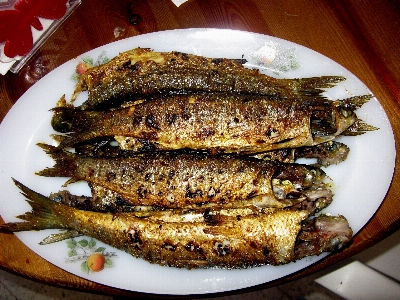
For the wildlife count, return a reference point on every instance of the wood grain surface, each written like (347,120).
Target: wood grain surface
(362,36)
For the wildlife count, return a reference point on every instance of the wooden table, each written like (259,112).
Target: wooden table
(362,36)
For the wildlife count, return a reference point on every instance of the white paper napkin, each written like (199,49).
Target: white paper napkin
(6,62)
(178,2)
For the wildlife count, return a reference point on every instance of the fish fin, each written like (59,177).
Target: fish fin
(314,86)
(358,127)
(327,153)
(65,162)
(57,237)
(69,181)
(355,102)
(62,102)
(58,137)
(44,215)
(47,148)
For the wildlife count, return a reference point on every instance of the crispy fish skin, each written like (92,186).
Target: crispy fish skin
(142,72)
(173,180)
(211,122)
(240,242)
(327,153)
(190,244)
(105,200)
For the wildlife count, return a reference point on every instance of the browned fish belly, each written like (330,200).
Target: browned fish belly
(232,242)
(212,122)
(141,72)
(173,180)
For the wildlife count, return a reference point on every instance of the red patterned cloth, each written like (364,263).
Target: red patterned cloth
(15,25)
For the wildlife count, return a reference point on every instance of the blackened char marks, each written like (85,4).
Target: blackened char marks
(190,194)
(152,123)
(147,146)
(194,247)
(171,119)
(222,248)
(134,238)
(212,219)
(168,246)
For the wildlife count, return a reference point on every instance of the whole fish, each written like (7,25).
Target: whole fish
(105,200)
(141,72)
(176,179)
(327,153)
(275,237)
(212,122)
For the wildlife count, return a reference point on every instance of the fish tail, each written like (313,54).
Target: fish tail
(314,86)
(355,102)
(45,213)
(65,162)
(56,237)
(358,127)
(49,149)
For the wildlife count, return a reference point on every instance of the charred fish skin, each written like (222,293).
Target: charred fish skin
(241,242)
(190,244)
(175,179)
(209,122)
(327,153)
(201,122)
(104,200)
(142,72)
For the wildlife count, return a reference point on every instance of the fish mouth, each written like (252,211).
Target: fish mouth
(322,234)
(326,125)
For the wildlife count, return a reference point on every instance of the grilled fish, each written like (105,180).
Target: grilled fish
(327,153)
(212,122)
(276,237)
(176,179)
(105,200)
(141,72)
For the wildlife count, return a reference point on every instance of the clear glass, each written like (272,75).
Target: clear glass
(7,4)
(71,6)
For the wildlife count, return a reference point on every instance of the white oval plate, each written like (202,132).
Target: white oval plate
(361,181)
